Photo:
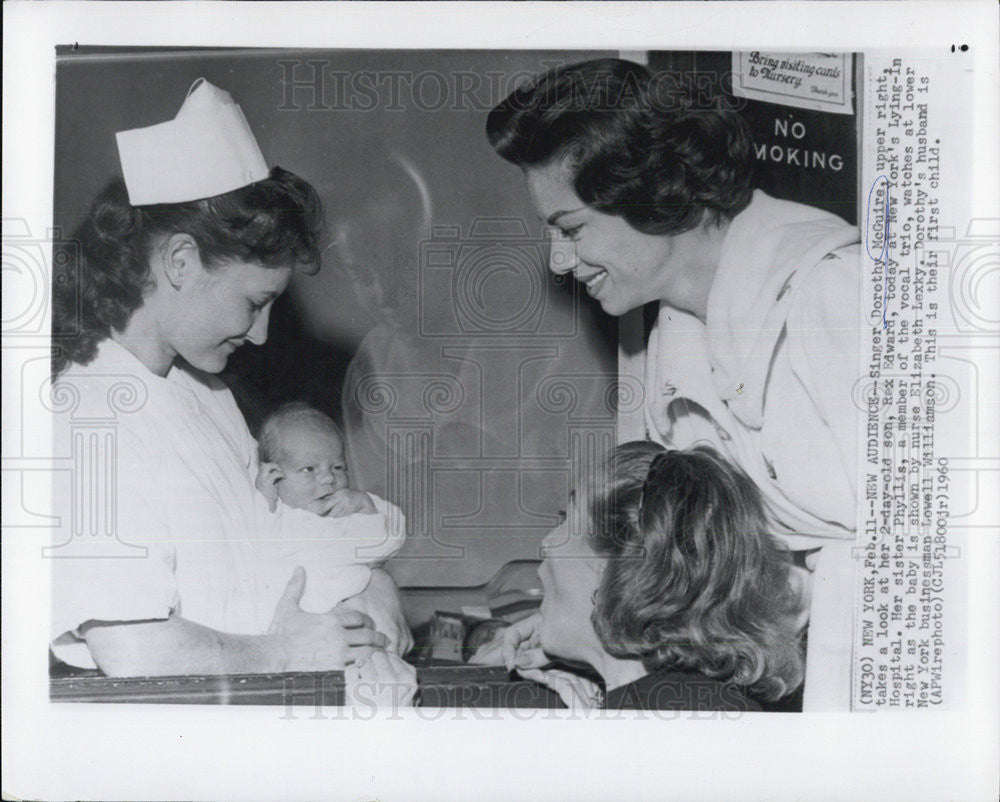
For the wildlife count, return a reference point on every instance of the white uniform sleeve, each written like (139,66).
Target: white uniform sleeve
(134,582)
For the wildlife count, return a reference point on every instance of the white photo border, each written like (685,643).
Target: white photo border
(180,752)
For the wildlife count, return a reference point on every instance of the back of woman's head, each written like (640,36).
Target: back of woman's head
(694,581)
(272,223)
(636,148)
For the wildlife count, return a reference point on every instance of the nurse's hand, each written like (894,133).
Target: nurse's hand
(323,642)
(381,602)
(382,680)
(521,646)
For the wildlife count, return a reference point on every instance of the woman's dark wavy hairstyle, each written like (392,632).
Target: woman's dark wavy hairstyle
(274,222)
(694,582)
(635,149)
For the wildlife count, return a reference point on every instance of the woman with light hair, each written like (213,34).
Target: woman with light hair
(664,581)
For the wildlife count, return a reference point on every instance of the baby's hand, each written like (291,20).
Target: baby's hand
(344,502)
(268,476)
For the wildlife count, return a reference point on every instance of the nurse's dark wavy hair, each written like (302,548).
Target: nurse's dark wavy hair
(274,222)
(694,582)
(635,148)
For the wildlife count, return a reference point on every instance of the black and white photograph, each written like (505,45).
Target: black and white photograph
(394,391)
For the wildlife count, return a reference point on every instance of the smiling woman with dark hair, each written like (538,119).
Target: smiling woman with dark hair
(756,347)
(658,171)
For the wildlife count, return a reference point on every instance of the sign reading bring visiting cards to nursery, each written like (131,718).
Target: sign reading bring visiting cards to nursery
(818,81)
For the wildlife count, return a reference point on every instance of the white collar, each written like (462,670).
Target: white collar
(767,251)
(138,383)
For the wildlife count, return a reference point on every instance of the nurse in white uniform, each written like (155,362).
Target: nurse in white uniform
(755,349)
(180,265)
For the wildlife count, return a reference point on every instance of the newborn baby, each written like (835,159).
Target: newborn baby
(301,463)
(302,466)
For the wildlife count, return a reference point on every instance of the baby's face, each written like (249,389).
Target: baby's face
(312,462)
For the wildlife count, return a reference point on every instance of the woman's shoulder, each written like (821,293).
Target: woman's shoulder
(679,690)
(111,387)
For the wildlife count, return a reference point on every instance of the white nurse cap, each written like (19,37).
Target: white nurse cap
(206,150)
